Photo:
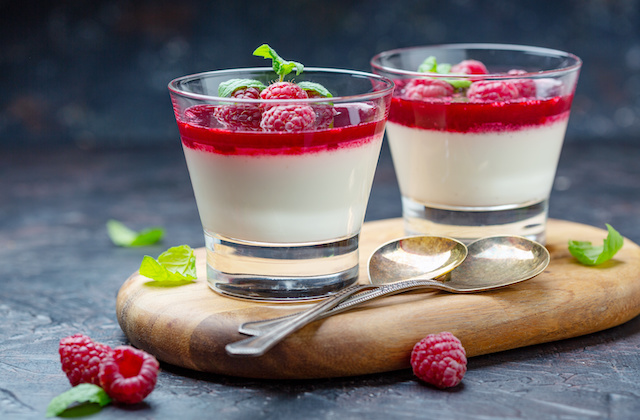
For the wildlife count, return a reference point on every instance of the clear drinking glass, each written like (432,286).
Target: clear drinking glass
(281,210)
(476,154)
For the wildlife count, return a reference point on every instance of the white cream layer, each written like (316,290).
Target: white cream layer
(474,170)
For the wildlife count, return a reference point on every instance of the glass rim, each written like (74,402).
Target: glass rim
(375,61)
(386,91)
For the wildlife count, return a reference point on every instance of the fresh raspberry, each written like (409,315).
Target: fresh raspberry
(324,113)
(420,89)
(526,87)
(128,375)
(469,67)
(282,90)
(241,116)
(493,91)
(200,115)
(354,114)
(440,360)
(81,358)
(288,118)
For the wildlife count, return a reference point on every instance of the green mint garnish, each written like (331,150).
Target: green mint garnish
(430,65)
(123,236)
(175,265)
(281,66)
(593,255)
(77,396)
(226,89)
(315,87)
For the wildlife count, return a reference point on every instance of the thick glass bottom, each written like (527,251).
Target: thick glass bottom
(280,272)
(467,225)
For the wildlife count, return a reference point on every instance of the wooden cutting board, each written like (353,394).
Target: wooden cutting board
(190,325)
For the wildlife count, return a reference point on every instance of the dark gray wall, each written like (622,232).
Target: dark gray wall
(94,73)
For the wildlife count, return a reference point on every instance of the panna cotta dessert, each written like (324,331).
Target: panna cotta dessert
(281,167)
(476,142)
(278,186)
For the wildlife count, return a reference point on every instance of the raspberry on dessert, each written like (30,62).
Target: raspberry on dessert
(420,89)
(493,91)
(128,375)
(241,116)
(526,87)
(440,360)
(324,112)
(200,115)
(81,357)
(469,67)
(282,90)
(288,118)
(354,114)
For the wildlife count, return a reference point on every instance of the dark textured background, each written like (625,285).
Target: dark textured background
(94,73)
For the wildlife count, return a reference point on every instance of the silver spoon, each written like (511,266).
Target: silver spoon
(493,262)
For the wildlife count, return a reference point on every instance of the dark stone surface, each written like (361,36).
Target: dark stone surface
(95,73)
(59,275)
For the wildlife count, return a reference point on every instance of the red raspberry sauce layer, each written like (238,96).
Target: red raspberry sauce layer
(478,117)
(226,142)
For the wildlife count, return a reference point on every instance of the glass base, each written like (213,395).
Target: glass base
(467,225)
(280,272)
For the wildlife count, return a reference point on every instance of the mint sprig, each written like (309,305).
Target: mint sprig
(79,395)
(281,66)
(175,265)
(226,89)
(588,254)
(315,87)
(430,65)
(123,236)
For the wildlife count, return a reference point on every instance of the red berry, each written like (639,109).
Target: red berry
(526,87)
(439,359)
(128,375)
(241,116)
(288,118)
(81,358)
(493,91)
(324,113)
(354,114)
(282,90)
(200,115)
(420,89)
(469,67)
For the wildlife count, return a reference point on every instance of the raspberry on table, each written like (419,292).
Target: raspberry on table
(469,67)
(241,116)
(420,89)
(282,90)
(81,357)
(493,91)
(128,375)
(439,360)
(288,118)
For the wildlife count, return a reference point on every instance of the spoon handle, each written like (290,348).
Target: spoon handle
(258,345)
(273,331)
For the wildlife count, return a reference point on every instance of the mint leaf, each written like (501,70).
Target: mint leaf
(177,264)
(226,89)
(430,65)
(315,87)
(281,66)
(123,236)
(589,254)
(78,395)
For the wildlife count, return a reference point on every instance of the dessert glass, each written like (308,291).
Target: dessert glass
(475,166)
(282,211)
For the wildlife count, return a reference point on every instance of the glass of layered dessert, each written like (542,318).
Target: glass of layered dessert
(475,132)
(281,162)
